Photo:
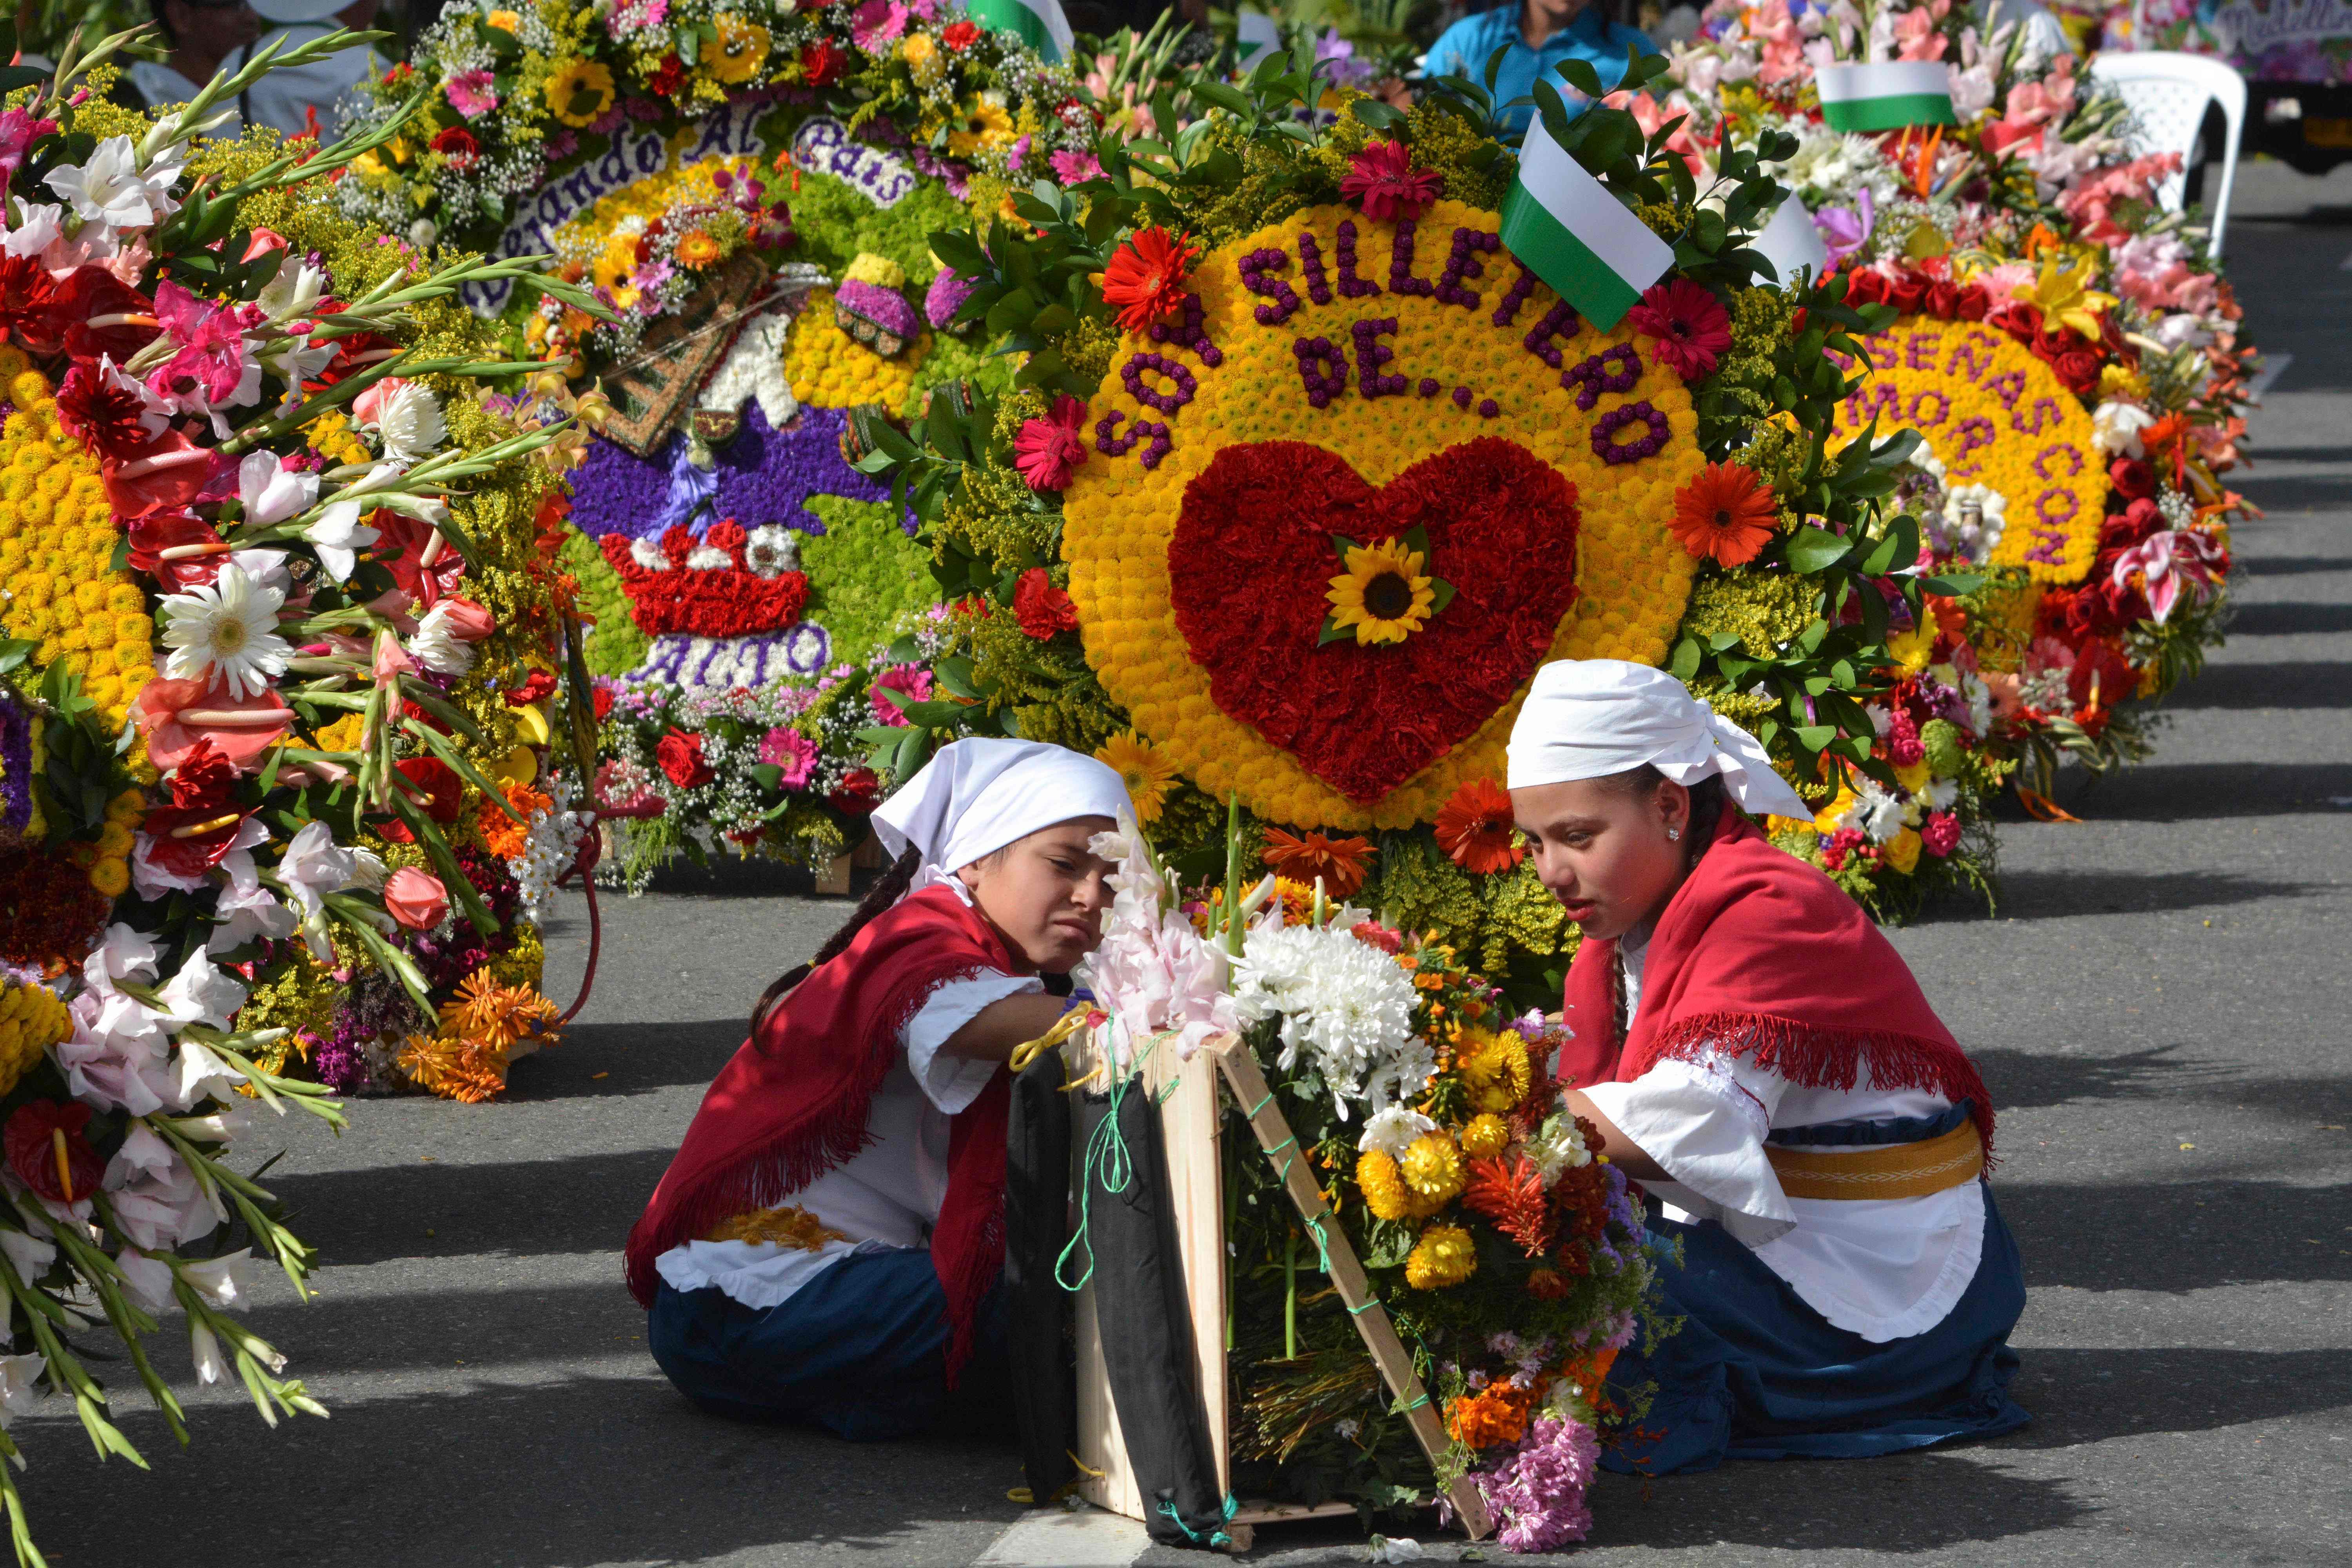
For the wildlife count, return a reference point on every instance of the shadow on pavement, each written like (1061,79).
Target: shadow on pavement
(2190,1235)
(2059,895)
(2084,1395)
(635,1058)
(2303,683)
(2191,791)
(2290,565)
(2289,619)
(585,1203)
(585,1470)
(2027,1079)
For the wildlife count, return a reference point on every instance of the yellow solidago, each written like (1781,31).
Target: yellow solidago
(1444,1256)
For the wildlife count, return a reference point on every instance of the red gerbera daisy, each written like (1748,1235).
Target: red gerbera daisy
(1726,513)
(1692,330)
(1475,828)
(1046,450)
(1146,277)
(1340,862)
(1382,181)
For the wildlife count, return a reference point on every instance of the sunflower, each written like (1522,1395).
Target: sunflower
(1340,862)
(1146,772)
(697,250)
(580,92)
(1725,513)
(1382,593)
(1475,828)
(983,124)
(1145,278)
(737,51)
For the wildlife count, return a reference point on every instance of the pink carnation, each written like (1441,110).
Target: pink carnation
(911,681)
(471,93)
(1537,1494)
(1940,835)
(792,751)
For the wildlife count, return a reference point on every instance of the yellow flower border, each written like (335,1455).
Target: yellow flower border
(1634,578)
(2042,456)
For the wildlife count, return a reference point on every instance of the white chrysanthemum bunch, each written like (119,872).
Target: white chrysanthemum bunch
(1342,1002)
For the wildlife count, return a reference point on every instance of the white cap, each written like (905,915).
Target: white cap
(1591,718)
(975,797)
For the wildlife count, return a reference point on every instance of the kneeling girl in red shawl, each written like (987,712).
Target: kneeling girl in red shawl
(1755,1053)
(824,1246)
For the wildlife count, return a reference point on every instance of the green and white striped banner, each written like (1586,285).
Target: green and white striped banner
(1888,95)
(1572,233)
(1791,242)
(1038,23)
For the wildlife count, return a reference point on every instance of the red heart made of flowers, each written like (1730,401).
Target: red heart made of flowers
(1252,556)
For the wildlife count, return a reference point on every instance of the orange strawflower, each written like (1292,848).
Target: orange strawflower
(1496,1414)
(1340,862)
(1726,513)
(1146,277)
(1475,828)
(502,836)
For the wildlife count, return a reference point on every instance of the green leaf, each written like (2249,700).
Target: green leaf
(768,776)
(1814,737)
(1579,75)
(1443,594)
(1332,634)
(1957,586)
(1813,550)
(1685,660)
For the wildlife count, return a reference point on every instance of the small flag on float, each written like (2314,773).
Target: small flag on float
(1037,23)
(1791,242)
(1887,95)
(1572,233)
(1253,34)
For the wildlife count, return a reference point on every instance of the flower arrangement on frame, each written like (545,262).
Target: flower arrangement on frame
(285,722)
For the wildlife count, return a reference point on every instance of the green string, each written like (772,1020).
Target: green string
(1215,1538)
(1106,1158)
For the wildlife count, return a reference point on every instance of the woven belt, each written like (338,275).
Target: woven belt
(1881,1171)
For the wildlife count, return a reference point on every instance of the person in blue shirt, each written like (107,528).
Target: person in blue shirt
(1541,35)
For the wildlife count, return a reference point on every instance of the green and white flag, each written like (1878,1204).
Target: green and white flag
(1038,23)
(1572,233)
(1886,96)
(1791,242)
(1253,34)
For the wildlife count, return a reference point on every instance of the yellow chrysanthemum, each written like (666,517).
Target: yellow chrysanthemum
(1432,1169)
(737,52)
(830,369)
(32,1019)
(1444,1257)
(1382,595)
(1386,1193)
(504,21)
(1497,1073)
(1912,649)
(1146,772)
(1487,1136)
(580,92)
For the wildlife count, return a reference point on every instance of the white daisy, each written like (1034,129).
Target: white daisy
(771,551)
(229,630)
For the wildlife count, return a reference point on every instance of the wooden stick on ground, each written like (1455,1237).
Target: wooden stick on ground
(1274,1135)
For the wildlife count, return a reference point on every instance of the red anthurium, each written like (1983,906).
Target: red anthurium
(48,1152)
(95,314)
(178,548)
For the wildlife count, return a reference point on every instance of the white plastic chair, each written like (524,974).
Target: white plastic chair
(2166,94)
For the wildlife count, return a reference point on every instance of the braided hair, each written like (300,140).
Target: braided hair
(887,891)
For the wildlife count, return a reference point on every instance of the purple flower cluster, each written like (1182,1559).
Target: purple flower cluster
(1112,445)
(1351,286)
(764,475)
(1258,270)
(1371,354)
(375,1006)
(1190,332)
(1508,310)
(1591,376)
(1139,365)
(1310,266)
(1469,244)
(1537,1494)
(1400,277)
(15,767)
(944,298)
(1559,321)
(1641,413)
(1323,368)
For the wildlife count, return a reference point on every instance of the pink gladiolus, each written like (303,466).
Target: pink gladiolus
(415,898)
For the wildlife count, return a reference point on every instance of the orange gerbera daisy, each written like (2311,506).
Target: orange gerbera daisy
(1474,825)
(1146,277)
(1726,513)
(1340,862)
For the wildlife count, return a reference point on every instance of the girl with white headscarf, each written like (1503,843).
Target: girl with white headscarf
(1750,1047)
(824,1246)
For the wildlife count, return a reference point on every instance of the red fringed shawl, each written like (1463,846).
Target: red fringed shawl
(792,1104)
(1760,955)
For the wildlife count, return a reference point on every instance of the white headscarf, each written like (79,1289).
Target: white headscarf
(1589,718)
(975,797)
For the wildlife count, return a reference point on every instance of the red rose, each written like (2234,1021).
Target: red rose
(666,81)
(1972,303)
(2079,369)
(2128,527)
(680,756)
(960,36)
(1040,607)
(820,63)
(2133,478)
(2019,318)
(535,688)
(1864,287)
(1907,291)
(859,792)
(459,144)
(32,1141)
(1943,299)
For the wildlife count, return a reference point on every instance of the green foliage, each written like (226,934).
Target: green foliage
(865,575)
(613,644)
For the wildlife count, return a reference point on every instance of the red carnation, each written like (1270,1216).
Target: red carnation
(25,287)
(671,77)
(1691,328)
(1040,607)
(106,413)
(1146,277)
(820,63)
(680,756)
(859,792)
(34,1135)
(535,688)
(960,36)
(602,701)
(1382,181)
(1940,833)
(1046,450)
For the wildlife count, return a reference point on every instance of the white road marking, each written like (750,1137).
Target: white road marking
(1049,1538)
(2273,368)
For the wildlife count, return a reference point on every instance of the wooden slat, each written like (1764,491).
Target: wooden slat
(1274,1135)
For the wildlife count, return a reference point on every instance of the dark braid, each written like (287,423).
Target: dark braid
(889,891)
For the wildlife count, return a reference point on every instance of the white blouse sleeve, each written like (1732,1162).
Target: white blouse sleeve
(952,1082)
(1704,1123)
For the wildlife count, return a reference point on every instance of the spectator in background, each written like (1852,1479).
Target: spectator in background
(204,35)
(1540,36)
(285,99)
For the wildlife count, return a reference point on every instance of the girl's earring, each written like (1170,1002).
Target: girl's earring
(1673,834)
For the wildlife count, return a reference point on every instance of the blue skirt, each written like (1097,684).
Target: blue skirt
(860,1350)
(1755,1374)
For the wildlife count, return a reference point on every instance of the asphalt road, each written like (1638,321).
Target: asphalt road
(2159,1006)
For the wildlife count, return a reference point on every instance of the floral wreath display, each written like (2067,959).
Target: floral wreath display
(1337,387)
(290,722)
(2015,444)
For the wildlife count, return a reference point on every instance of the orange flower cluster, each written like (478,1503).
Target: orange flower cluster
(1495,1413)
